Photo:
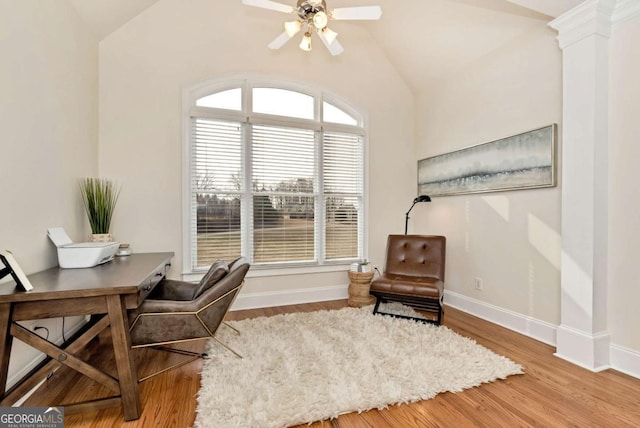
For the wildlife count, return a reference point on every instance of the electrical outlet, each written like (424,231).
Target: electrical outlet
(478,283)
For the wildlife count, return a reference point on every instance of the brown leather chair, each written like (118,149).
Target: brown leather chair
(179,311)
(413,274)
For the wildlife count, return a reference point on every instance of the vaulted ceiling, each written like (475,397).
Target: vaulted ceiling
(424,39)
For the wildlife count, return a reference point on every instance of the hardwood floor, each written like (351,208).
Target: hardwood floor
(551,393)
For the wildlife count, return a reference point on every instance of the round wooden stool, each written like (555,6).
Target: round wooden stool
(359,283)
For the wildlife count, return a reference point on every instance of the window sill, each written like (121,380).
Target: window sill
(257,271)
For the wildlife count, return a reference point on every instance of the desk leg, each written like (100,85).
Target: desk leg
(6,341)
(124,359)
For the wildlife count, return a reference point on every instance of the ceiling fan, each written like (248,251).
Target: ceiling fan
(313,15)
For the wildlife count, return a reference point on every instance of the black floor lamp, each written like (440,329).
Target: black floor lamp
(421,198)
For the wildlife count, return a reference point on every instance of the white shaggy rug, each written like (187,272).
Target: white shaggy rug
(304,367)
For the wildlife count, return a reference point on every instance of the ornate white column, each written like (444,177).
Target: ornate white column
(584,33)
(584,37)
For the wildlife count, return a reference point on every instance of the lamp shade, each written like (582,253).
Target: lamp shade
(320,20)
(305,44)
(421,198)
(292,27)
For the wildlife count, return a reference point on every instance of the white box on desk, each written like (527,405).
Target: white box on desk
(82,254)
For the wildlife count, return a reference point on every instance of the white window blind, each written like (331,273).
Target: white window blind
(217,188)
(272,181)
(343,175)
(283,169)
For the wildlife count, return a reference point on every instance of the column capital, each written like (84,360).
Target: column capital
(593,17)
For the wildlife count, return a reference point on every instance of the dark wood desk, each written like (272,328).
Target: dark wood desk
(109,289)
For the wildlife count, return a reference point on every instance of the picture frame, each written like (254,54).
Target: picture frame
(11,267)
(522,161)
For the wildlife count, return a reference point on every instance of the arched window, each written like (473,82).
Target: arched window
(276,174)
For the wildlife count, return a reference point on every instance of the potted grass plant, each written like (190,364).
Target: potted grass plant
(99,196)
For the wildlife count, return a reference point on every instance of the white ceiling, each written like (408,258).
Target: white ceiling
(424,39)
(434,37)
(106,16)
(550,7)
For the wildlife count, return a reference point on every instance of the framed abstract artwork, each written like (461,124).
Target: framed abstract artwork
(522,161)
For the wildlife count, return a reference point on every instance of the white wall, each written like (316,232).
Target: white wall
(48,118)
(509,239)
(146,64)
(624,196)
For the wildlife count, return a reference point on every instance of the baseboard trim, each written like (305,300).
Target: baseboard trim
(523,324)
(267,299)
(587,350)
(625,360)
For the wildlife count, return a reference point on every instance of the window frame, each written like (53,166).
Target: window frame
(245,115)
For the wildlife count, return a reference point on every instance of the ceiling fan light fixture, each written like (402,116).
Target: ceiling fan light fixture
(314,15)
(292,27)
(320,20)
(329,35)
(305,44)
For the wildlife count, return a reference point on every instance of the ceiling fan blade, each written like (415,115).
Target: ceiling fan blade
(362,12)
(335,48)
(279,41)
(268,4)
